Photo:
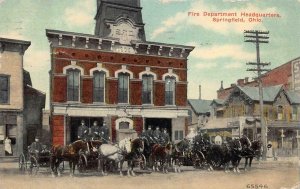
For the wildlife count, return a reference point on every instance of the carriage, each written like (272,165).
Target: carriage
(31,162)
(90,159)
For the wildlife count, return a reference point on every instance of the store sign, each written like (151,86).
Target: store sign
(296,74)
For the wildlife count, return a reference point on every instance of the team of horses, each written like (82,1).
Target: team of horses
(199,153)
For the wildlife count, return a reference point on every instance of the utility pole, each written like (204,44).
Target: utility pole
(257,37)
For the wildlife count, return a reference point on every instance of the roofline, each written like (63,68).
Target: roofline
(15,41)
(58,32)
(280,66)
(38,91)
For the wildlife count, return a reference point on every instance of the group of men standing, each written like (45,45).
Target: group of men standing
(157,136)
(94,133)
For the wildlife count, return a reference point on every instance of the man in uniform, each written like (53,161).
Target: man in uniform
(165,138)
(156,135)
(36,147)
(82,131)
(149,134)
(104,133)
(95,131)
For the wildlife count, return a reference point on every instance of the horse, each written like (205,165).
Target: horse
(115,153)
(70,153)
(135,155)
(199,151)
(148,144)
(250,150)
(224,154)
(160,154)
(179,152)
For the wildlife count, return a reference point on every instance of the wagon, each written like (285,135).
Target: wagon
(31,162)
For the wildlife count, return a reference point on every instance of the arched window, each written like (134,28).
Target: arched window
(98,86)
(73,83)
(147,91)
(170,90)
(123,87)
(124,125)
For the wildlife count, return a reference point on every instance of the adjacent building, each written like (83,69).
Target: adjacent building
(116,76)
(287,74)
(20,104)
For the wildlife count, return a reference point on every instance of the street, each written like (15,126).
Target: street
(271,175)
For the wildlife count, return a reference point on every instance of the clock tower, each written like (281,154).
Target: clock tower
(121,19)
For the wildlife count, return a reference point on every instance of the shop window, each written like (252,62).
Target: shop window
(9,131)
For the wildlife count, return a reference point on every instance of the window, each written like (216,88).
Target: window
(73,84)
(295,112)
(170,91)
(279,112)
(147,89)
(124,125)
(179,135)
(123,85)
(4,89)
(98,86)
(190,117)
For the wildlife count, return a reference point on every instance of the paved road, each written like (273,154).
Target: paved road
(271,175)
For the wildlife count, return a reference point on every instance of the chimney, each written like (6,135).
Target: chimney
(199,92)
(240,82)
(221,88)
(246,80)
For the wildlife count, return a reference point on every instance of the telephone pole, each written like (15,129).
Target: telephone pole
(257,37)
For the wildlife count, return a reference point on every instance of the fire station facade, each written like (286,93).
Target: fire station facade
(116,76)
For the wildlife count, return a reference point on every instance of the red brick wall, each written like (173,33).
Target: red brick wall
(112,91)
(138,124)
(112,62)
(113,129)
(279,75)
(136,92)
(59,89)
(130,59)
(181,95)
(87,90)
(58,129)
(159,93)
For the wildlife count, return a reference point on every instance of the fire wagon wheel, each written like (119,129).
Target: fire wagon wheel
(82,163)
(142,162)
(34,165)
(22,163)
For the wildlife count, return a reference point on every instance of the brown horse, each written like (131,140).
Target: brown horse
(70,153)
(160,154)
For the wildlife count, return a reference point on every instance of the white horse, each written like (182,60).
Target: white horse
(115,153)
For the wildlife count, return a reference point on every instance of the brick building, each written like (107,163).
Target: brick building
(287,74)
(116,76)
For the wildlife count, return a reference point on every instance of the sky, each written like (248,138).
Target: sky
(220,52)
